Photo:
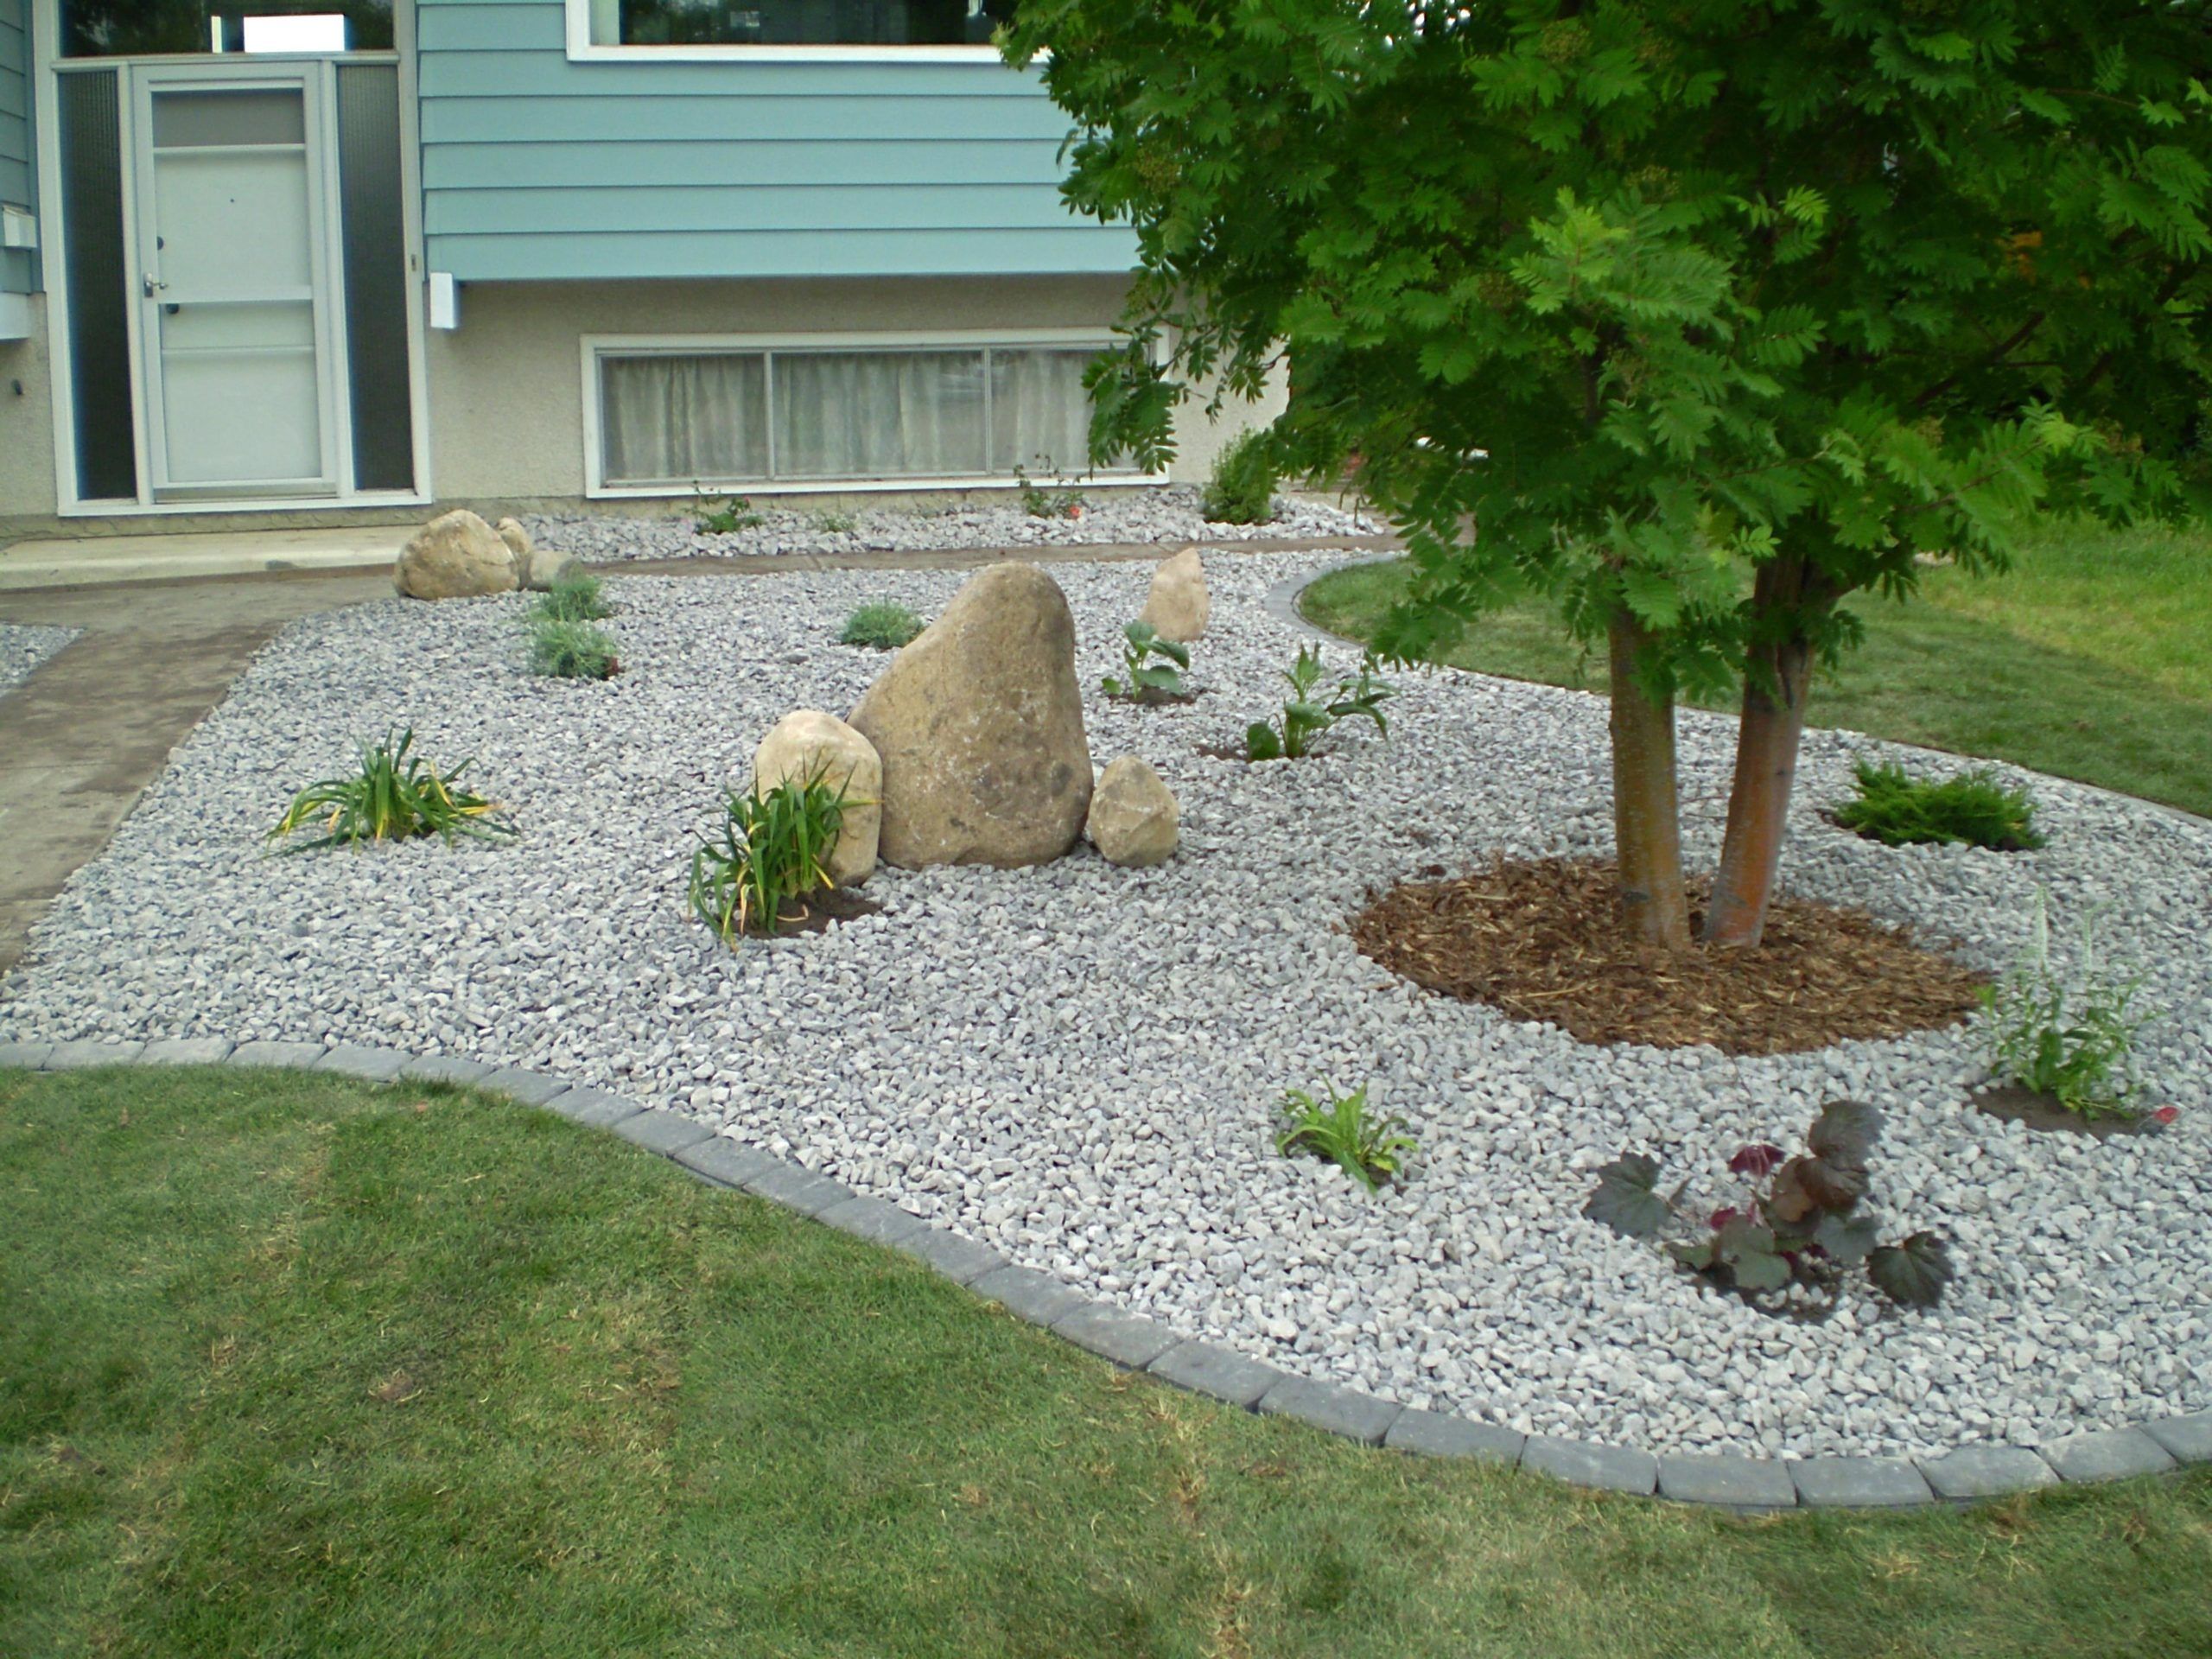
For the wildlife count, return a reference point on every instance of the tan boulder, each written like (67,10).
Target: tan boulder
(1134,819)
(979,723)
(1178,605)
(455,556)
(808,744)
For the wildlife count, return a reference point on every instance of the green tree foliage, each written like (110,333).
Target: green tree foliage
(1707,313)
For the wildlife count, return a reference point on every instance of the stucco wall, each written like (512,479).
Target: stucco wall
(26,425)
(506,393)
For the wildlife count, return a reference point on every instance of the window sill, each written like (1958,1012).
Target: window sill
(580,51)
(707,494)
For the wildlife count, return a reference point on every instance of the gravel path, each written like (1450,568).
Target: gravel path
(23,646)
(1080,1065)
(1168,514)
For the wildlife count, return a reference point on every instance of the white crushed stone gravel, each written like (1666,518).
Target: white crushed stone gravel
(1166,513)
(24,646)
(1081,1065)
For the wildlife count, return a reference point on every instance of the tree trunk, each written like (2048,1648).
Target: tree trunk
(1647,827)
(1778,672)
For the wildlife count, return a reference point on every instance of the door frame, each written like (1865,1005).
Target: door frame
(47,67)
(317,85)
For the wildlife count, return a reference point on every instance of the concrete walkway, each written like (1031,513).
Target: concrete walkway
(85,734)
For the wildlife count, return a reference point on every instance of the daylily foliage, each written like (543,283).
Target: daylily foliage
(1700,315)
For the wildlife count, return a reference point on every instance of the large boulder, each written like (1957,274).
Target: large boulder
(455,556)
(1134,819)
(809,744)
(1178,605)
(979,723)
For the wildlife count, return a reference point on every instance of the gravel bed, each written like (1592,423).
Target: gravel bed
(1166,513)
(1081,1065)
(23,646)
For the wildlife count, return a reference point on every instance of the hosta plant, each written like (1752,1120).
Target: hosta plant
(1900,809)
(2071,1038)
(393,794)
(1797,1227)
(1340,1128)
(1142,678)
(1311,712)
(773,851)
(881,624)
(574,598)
(571,651)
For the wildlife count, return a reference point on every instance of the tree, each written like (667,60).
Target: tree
(1699,314)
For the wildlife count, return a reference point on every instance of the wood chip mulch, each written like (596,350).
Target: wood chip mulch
(1542,939)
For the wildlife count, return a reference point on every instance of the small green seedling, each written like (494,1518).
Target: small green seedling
(1141,679)
(1041,503)
(883,624)
(735,514)
(1305,716)
(393,795)
(571,651)
(574,598)
(1340,1129)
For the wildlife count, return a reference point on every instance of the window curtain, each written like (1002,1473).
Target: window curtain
(880,415)
(683,420)
(1041,415)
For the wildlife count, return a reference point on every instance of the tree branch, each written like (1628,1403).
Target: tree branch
(2018,337)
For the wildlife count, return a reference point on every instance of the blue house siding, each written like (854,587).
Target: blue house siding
(18,266)
(535,167)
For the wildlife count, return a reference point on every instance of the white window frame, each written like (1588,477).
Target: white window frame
(583,49)
(595,347)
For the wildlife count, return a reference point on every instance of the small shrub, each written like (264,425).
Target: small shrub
(884,624)
(1041,503)
(2072,1041)
(773,849)
(1305,716)
(836,523)
(1339,1128)
(1241,489)
(735,514)
(1798,1225)
(393,795)
(574,598)
(1897,810)
(571,651)
(1141,679)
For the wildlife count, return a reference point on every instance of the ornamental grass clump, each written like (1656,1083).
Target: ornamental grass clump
(2071,1039)
(1340,1129)
(1308,715)
(574,598)
(1898,809)
(772,851)
(571,651)
(1784,1245)
(882,625)
(1241,489)
(1142,679)
(394,794)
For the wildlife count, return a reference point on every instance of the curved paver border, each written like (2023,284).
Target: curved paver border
(1137,1343)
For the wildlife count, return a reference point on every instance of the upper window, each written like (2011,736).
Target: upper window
(796,22)
(135,28)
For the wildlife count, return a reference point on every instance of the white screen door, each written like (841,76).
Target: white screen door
(233,244)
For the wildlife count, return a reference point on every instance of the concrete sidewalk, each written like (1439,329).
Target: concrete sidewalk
(77,561)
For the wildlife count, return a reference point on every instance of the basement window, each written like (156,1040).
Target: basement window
(674,418)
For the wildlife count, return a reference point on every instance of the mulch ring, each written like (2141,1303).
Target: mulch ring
(2043,1114)
(817,913)
(1542,940)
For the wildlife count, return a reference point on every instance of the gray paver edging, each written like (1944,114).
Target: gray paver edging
(1137,1343)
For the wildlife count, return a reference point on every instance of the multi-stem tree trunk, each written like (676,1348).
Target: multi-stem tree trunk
(1779,670)
(1647,825)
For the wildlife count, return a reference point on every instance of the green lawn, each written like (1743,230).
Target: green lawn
(2091,658)
(290,1365)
